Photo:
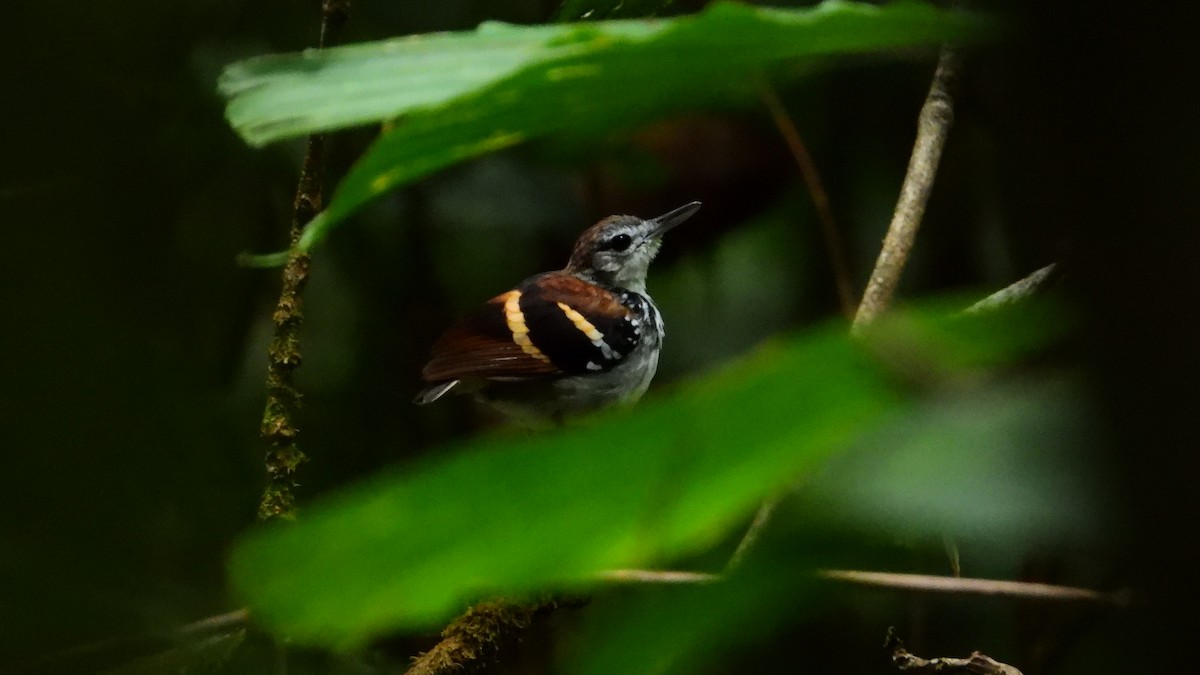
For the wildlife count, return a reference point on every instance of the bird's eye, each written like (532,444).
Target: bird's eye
(620,242)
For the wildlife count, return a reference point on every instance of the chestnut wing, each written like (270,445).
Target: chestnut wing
(551,324)
(582,327)
(492,343)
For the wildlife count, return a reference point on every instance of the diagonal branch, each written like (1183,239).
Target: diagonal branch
(473,640)
(1016,292)
(750,538)
(933,125)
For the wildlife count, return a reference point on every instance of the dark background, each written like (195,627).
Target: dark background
(135,346)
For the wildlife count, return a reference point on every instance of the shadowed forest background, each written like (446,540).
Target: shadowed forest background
(135,345)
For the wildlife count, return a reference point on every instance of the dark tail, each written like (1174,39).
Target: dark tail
(433,393)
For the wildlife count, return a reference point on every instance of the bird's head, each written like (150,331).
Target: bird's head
(616,252)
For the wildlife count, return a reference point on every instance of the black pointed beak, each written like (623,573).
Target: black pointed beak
(673,218)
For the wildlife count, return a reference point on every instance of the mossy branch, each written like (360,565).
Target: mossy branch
(284,456)
(975,664)
(474,640)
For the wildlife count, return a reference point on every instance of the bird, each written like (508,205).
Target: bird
(563,343)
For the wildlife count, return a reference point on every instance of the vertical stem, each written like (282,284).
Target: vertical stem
(278,428)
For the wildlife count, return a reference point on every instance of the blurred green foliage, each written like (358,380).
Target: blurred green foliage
(463,95)
(515,515)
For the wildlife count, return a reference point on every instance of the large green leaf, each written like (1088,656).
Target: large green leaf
(517,514)
(999,464)
(460,95)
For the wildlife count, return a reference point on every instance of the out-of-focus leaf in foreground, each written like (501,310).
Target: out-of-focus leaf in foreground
(998,461)
(461,95)
(516,514)
(1007,467)
(998,464)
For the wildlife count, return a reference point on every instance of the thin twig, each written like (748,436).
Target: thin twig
(820,198)
(960,585)
(65,660)
(283,399)
(952,554)
(761,518)
(235,619)
(975,664)
(903,582)
(933,125)
(658,577)
(1015,292)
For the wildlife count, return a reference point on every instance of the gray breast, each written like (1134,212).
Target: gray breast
(626,382)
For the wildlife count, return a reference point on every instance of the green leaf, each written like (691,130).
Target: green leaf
(461,95)
(1000,465)
(1004,466)
(518,514)
(508,515)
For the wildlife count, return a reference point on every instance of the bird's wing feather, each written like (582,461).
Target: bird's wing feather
(551,324)
(483,345)
(582,327)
